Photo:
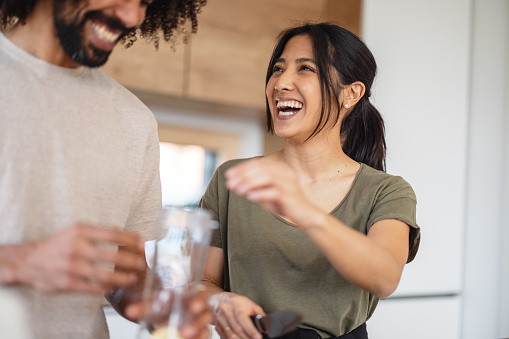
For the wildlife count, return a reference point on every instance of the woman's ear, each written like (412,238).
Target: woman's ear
(353,93)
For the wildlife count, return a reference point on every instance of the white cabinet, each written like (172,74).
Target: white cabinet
(119,327)
(419,318)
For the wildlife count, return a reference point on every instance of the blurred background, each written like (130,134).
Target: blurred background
(441,88)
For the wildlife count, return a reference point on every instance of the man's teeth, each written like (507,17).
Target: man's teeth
(289,104)
(105,34)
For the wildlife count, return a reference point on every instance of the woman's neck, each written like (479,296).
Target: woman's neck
(317,159)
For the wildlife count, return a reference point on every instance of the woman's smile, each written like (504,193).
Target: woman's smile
(287,107)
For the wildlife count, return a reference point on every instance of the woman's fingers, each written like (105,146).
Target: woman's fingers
(233,319)
(222,321)
(248,329)
(275,186)
(255,175)
(246,176)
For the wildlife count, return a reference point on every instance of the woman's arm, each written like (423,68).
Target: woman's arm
(373,262)
(232,312)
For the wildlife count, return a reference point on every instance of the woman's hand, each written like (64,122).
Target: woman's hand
(233,314)
(274,184)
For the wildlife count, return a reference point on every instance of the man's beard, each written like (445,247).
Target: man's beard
(70,30)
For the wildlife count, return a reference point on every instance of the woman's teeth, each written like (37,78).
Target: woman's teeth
(287,113)
(289,104)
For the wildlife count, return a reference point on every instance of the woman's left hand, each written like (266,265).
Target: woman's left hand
(274,184)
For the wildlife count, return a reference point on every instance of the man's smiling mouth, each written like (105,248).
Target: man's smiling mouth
(104,32)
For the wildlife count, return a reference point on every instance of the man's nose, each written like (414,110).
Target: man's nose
(131,13)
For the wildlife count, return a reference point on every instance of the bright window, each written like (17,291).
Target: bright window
(185,173)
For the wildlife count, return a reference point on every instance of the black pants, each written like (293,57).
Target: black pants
(300,333)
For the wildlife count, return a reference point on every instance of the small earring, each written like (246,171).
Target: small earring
(346,106)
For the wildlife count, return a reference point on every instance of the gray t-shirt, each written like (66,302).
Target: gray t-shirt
(75,146)
(277,265)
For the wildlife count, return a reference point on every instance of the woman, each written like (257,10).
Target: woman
(317,227)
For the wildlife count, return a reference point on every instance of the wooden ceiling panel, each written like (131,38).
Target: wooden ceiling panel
(260,17)
(226,61)
(141,67)
(231,51)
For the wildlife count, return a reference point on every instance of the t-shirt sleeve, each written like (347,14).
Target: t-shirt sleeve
(396,200)
(210,201)
(146,209)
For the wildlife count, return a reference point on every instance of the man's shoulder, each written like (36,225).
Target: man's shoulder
(123,98)
(100,76)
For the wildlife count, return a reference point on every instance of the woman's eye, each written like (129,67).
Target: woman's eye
(276,69)
(307,68)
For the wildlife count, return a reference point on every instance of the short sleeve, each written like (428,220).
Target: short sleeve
(146,209)
(209,201)
(396,200)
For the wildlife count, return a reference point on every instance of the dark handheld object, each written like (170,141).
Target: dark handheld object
(277,324)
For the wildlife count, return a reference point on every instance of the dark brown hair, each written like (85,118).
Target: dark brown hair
(167,17)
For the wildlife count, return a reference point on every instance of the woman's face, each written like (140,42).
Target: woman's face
(293,90)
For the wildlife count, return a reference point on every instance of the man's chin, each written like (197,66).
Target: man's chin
(94,58)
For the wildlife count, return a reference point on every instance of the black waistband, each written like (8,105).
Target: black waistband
(302,333)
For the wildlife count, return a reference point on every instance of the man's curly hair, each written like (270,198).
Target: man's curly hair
(164,18)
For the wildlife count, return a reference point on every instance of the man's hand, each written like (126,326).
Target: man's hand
(82,259)
(198,327)
(197,311)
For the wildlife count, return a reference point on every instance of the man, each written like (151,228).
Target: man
(79,162)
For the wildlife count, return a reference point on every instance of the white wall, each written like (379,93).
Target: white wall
(14,317)
(441,88)
(482,285)
(504,300)
(422,50)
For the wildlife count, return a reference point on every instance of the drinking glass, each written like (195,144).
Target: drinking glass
(176,260)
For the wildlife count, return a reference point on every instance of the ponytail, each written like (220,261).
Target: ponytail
(363,135)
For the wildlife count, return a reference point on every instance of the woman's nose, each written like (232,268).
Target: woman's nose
(131,13)
(284,82)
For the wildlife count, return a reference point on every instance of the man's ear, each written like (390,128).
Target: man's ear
(352,94)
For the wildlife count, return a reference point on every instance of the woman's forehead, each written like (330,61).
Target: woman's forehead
(298,46)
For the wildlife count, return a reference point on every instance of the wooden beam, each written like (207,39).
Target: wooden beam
(346,13)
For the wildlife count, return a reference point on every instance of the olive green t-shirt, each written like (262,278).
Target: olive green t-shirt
(276,264)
